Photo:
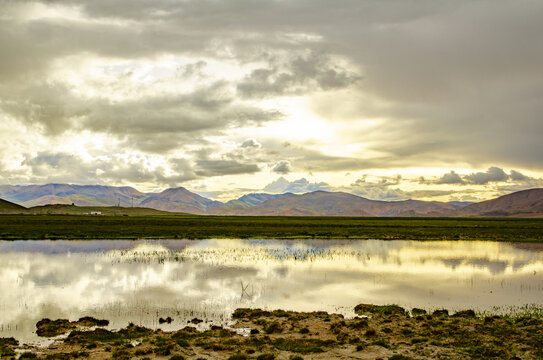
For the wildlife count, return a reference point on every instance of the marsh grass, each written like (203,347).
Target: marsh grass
(532,311)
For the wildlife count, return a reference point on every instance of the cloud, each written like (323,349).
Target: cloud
(517,176)
(144,119)
(250,143)
(425,84)
(282,167)
(470,85)
(304,158)
(224,167)
(300,75)
(383,189)
(48,167)
(493,174)
(450,178)
(281,185)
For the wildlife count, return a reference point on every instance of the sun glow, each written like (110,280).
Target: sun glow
(299,123)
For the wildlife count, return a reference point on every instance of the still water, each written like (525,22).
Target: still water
(141,281)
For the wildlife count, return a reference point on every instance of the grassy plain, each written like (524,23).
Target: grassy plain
(205,227)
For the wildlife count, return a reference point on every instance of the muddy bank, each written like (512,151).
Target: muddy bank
(378,332)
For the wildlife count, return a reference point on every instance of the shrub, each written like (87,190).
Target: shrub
(273,327)
(441,312)
(380,309)
(266,357)
(238,357)
(465,314)
(399,357)
(417,311)
(177,357)
(121,354)
(28,355)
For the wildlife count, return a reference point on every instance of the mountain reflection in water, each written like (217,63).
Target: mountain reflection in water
(141,281)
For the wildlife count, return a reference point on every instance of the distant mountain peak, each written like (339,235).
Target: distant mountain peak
(179,199)
(175,189)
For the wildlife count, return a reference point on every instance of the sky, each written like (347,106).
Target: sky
(390,100)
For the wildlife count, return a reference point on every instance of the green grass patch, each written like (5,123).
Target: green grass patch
(131,332)
(302,346)
(205,227)
(368,309)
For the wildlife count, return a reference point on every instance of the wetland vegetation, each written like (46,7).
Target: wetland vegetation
(376,332)
(206,227)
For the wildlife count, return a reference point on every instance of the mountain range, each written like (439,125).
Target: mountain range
(527,203)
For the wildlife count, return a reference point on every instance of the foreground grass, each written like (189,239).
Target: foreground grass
(205,227)
(380,332)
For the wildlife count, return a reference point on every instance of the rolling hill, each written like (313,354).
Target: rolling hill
(61,209)
(83,195)
(518,204)
(9,207)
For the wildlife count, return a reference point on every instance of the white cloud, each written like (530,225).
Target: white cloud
(282,185)
(250,143)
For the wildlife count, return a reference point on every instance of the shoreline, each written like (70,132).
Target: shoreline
(377,332)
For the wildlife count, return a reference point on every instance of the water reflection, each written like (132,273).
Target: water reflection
(138,281)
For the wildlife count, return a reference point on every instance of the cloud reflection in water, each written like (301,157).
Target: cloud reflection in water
(140,281)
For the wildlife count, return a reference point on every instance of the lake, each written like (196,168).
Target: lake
(141,281)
